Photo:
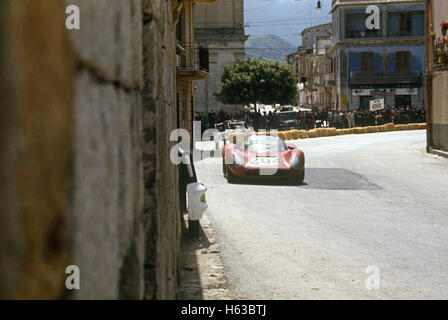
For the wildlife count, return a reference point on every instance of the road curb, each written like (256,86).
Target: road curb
(439,152)
(203,276)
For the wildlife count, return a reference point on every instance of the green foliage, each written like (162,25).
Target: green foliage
(258,81)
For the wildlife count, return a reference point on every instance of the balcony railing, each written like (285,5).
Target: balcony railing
(193,57)
(394,34)
(408,75)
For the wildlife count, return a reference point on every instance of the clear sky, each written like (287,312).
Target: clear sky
(285,18)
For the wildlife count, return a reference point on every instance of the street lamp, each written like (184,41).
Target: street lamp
(319,5)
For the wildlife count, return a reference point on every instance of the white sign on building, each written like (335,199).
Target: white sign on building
(361,92)
(377,104)
(406,91)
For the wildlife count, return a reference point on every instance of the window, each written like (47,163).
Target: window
(402,61)
(406,23)
(355,24)
(367,63)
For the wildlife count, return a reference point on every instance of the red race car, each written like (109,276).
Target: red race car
(261,156)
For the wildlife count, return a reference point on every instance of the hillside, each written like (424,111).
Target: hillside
(268,46)
(285,18)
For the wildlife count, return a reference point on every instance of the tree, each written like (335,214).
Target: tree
(258,81)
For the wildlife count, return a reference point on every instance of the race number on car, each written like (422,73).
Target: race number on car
(264,160)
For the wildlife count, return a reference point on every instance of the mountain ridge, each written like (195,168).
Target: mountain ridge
(268,46)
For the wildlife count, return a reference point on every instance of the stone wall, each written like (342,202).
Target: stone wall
(108,186)
(439,103)
(36,148)
(440,110)
(161,205)
(85,175)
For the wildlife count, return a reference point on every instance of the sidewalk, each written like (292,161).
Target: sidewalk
(202,276)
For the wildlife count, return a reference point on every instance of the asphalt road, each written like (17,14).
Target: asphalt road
(368,200)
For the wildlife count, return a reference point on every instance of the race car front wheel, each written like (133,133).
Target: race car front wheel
(299,180)
(229,175)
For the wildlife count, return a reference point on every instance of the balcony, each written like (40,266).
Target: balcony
(192,62)
(390,77)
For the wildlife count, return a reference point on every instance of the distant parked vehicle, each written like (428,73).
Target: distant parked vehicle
(288,120)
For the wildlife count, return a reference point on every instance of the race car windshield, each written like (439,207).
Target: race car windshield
(261,144)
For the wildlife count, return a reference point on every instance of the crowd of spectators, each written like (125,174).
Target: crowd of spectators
(315,119)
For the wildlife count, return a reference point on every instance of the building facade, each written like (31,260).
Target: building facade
(315,68)
(219,27)
(437,75)
(293,61)
(388,62)
(192,61)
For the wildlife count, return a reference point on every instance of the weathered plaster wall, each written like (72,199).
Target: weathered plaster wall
(439,86)
(440,110)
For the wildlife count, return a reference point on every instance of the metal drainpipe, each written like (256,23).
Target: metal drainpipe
(428,89)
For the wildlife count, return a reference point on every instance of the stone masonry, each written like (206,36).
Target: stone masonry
(85,174)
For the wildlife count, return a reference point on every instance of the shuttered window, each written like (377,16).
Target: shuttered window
(402,61)
(367,63)
(406,23)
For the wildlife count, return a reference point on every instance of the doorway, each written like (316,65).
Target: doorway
(364,102)
(403,101)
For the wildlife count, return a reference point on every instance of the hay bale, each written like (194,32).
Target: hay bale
(332,132)
(359,130)
(400,127)
(282,135)
(321,132)
(382,128)
(348,131)
(390,127)
(339,132)
(304,134)
(295,134)
(290,134)
(418,126)
(313,133)
(421,126)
